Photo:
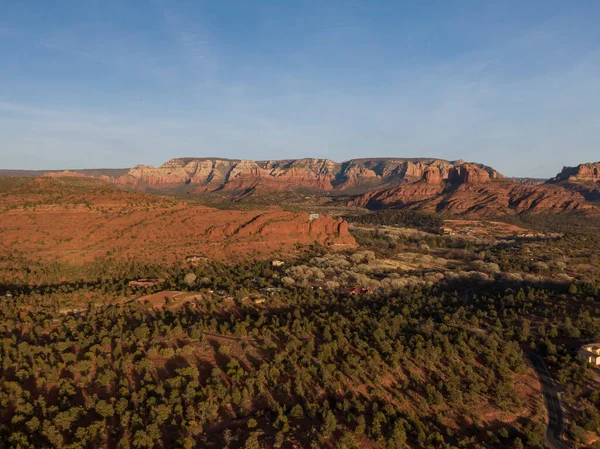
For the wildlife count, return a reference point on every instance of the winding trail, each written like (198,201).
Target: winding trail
(556,423)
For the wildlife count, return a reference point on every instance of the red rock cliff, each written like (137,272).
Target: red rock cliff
(206,175)
(588,172)
(470,189)
(468,174)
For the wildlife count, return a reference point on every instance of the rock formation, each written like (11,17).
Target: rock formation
(432,175)
(583,179)
(469,189)
(468,174)
(79,220)
(418,183)
(588,172)
(212,174)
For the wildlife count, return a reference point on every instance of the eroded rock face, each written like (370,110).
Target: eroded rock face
(206,175)
(430,184)
(432,176)
(583,179)
(588,172)
(470,189)
(468,174)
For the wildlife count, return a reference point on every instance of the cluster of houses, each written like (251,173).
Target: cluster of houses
(228,297)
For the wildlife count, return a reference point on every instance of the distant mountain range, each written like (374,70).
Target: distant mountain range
(216,174)
(416,183)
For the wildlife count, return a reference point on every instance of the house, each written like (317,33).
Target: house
(312,217)
(278,263)
(259,300)
(591,353)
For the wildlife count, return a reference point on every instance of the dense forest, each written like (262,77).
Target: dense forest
(124,375)
(424,221)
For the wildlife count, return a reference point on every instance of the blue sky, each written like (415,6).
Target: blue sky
(512,84)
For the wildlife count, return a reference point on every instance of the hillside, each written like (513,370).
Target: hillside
(80,220)
(91,172)
(587,172)
(584,179)
(470,189)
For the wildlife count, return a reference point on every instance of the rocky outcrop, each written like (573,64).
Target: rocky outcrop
(583,179)
(95,218)
(418,183)
(588,172)
(357,175)
(470,189)
(468,174)
(65,174)
(432,176)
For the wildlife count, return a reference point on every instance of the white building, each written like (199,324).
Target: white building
(591,353)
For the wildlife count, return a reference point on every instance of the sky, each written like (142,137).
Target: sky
(116,83)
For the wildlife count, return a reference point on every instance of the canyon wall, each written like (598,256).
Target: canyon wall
(471,190)
(211,174)
(588,172)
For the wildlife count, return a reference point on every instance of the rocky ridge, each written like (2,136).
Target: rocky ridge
(583,179)
(74,219)
(470,189)
(588,172)
(212,174)
(419,183)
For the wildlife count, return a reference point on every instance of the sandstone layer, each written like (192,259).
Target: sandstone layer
(469,189)
(214,174)
(418,183)
(583,179)
(588,172)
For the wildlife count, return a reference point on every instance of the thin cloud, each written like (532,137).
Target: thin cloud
(194,41)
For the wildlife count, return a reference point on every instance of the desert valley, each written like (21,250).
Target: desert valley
(299,224)
(384,303)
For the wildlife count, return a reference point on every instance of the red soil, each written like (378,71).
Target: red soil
(52,220)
